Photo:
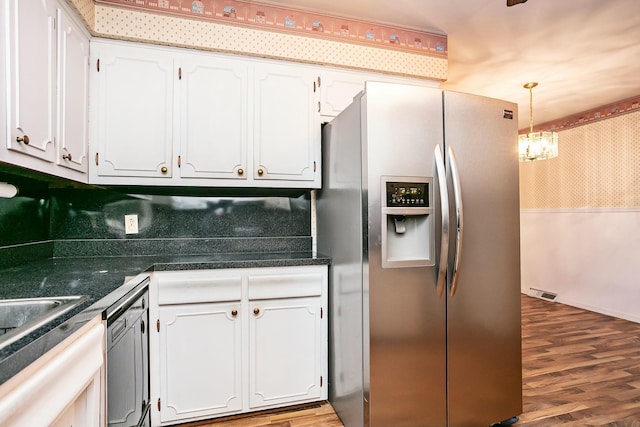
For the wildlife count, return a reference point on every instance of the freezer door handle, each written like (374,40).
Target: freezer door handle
(457,195)
(444,207)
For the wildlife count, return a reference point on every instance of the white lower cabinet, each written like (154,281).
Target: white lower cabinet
(200,360)
(231,341)
(64,387)
(285,362)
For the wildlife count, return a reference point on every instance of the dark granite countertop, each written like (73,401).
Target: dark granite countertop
(106,281)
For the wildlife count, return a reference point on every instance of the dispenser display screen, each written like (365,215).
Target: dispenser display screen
(403,194)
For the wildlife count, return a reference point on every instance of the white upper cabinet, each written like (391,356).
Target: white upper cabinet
(132,112)
(202,119)
(213,117)
(73,94)
(32,77)
(339,87)
(286,124)
(45,83)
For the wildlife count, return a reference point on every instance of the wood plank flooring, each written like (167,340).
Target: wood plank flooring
(580,369)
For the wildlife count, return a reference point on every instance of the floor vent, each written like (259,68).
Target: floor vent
(545,295)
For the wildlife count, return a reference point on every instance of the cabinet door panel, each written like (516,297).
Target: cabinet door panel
(213,118)
(32,77)
(200,361)
(285,361)
(73,95)
(286,124)
(338,90)
(134,112)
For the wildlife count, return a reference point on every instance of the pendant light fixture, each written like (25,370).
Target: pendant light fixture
(536,145)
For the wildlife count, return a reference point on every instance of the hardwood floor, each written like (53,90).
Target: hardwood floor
(580,369)
(314,415)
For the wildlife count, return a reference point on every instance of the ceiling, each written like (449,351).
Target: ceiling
(584,53)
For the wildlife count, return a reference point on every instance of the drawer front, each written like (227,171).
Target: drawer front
(286,285)
(176,290)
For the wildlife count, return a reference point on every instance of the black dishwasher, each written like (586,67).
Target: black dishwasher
(128,362)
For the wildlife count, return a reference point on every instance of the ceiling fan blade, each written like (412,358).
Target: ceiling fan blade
(514,2)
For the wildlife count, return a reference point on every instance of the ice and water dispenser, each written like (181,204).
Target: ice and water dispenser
(407,222)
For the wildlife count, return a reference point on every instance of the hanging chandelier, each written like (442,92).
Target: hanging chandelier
(536,145)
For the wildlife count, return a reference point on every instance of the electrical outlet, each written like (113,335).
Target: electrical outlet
(131,224)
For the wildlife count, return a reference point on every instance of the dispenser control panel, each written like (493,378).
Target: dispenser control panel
(407,194)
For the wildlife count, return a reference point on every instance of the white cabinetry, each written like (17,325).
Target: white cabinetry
(132,112)
(214,117)
(287,340)
(61,388)
(32,77)
(339,87)
(286,124)
(200,360)
(73,95)
(46,50)
(237,340)
(201,119)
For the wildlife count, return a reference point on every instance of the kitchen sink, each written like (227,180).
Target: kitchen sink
(18,317)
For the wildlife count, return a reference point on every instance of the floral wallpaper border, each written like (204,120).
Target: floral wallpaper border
(268,17)
(603,112)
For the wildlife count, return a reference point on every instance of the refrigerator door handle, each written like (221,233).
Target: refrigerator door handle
(444,207)
(457,195)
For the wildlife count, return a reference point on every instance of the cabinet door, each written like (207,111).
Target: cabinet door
(338,90)
(133,104)
(285,351)
(31,77)
(286,125)
(85,409)
(213,117)
(73,95)
(200,360)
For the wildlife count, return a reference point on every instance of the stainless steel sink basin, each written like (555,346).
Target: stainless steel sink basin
(18,317)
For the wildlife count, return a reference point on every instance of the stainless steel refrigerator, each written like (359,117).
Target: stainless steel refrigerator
(419,211)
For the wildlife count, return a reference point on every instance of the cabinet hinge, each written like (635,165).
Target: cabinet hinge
(98,64)
(158,404)
(54,24)
(158,325)
(180,73)
(97,159)
(179,161)
(320,380)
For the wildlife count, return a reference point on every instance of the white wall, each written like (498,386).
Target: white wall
(590,257)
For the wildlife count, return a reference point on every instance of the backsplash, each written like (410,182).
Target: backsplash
(23,219)
(92,221)
(65,222)
(24,222)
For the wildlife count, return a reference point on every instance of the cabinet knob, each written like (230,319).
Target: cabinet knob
(163,169)
(240,171)
(23,139)
(234,312)
(67,157)
(260,172)
(256,311)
